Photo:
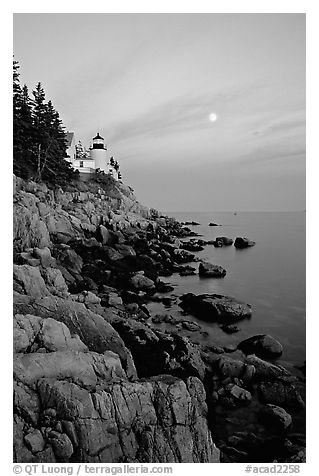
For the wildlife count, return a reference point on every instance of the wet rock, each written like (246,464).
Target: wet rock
(243,243)
(275,417)
(215,307)
(261,345)
(211,270)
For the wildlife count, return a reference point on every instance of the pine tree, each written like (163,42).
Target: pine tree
(22,127)
(39,139)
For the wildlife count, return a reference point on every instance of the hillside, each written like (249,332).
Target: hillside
(94,382)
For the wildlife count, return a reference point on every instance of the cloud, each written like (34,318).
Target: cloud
(179,114)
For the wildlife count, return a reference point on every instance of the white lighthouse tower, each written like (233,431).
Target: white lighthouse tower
(98,153)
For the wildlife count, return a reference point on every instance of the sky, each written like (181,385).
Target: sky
(149,82)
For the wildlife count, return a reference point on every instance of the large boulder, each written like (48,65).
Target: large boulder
(215,307)
(261,345)
(209,270)
(243,243)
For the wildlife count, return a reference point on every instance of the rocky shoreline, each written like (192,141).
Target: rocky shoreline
(98,375)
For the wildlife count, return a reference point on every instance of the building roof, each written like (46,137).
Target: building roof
(98,137)
(69,138)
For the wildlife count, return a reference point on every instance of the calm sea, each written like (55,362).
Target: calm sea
(271,276)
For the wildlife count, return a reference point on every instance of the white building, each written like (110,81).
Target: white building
(71,151)
(98,158)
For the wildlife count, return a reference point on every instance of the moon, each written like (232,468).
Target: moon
(213,117)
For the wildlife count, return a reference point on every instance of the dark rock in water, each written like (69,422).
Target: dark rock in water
(192,223)
(162,287)
(209,270)
(243,243)
(168,301)
(183,256)
(190,246)
(190,326)
(275,417)
(281,393)
(230,348)
(222,241)
(230,328)
(213,224)
(261,345)
(159,318)
(142,283)
(187,271)
(215,307)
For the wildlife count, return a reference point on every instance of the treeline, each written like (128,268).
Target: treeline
(39,140)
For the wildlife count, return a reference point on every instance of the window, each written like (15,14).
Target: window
(81,163)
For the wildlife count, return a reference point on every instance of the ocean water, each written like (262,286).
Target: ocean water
(271,276)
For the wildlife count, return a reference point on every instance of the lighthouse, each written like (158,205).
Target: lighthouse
(98,153)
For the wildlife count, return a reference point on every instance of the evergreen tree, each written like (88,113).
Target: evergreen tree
(79,150)
(39,139)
